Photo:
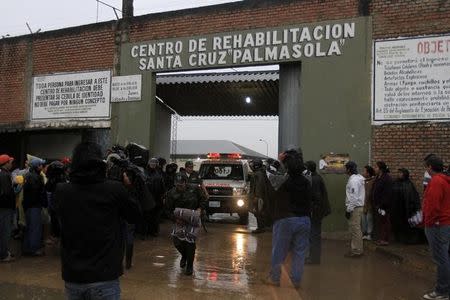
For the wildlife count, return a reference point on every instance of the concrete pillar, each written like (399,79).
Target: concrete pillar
(289,106)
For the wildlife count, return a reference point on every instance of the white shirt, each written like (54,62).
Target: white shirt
(355,192)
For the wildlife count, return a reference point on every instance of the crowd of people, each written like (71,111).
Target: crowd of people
(125,193)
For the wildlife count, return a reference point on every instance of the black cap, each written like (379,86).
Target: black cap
(352,167)
(188,164)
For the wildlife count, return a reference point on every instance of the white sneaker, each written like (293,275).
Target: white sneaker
(435,296)
(367,238)
(8,259)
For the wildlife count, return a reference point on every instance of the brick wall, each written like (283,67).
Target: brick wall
(240,16)
(12,81)
(394,18)
(80,50)
(406,145)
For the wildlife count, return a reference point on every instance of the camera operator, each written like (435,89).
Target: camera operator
(135,182)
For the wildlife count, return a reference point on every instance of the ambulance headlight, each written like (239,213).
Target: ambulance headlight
(240,203)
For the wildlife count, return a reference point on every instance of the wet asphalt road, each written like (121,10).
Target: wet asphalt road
(230,264)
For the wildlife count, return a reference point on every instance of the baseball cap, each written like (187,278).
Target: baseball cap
(5,158)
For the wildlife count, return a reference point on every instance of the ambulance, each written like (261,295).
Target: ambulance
(226,178)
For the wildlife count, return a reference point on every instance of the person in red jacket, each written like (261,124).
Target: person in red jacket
(436,218)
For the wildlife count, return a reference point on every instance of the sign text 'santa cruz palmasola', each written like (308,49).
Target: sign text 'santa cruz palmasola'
(244,48)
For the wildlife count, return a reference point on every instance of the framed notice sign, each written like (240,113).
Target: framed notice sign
(411,80)
(126,88)
(71,96)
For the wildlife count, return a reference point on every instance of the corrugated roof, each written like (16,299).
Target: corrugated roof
(218,77)
(198,148)
(215,94)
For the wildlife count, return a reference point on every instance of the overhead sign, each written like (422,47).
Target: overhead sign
(71,96)
(411,80)
(126,88)
(250,47)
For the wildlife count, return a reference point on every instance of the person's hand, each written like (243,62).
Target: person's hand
(348,215)
(126,180)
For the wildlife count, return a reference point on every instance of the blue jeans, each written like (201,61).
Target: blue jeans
(6,218)
(106,290)
(439,241)
(367,224)
(290,235)
(32,241)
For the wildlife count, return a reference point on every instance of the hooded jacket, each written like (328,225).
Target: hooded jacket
(34,195)
(436,203)
(91,209)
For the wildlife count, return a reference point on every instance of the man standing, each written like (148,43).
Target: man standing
(7,206)
(436,218)
(34,199)
(367,218)
(354,203)
(258,194)
(156,188)
(320,209)
(91,209)
(184,205)
(291,215)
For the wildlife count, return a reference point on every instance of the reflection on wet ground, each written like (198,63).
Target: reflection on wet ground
(230,264)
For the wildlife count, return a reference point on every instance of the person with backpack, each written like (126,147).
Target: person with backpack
(320,209)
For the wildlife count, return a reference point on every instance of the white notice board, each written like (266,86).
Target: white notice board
(126,88)
(71,96)
(411,80)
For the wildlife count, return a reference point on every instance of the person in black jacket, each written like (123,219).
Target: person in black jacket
(382,198)
(320,209)
(34,199)
(156,187)
(258,182)
(292,223)
(405,204)
(55,174)
(91,209)
(7,206)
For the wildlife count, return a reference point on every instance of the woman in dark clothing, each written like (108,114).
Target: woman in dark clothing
(56,173)
(33,201)
(382,198)
(405,203)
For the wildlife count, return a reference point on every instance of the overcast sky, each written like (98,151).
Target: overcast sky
(54,14)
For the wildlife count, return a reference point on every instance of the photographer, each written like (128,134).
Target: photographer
(135,182)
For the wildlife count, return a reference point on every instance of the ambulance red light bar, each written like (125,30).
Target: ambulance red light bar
(234,156)
(213,155)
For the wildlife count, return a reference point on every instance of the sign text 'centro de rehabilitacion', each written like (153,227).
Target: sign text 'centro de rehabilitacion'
(412,80)
(264,46)
(71,96)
